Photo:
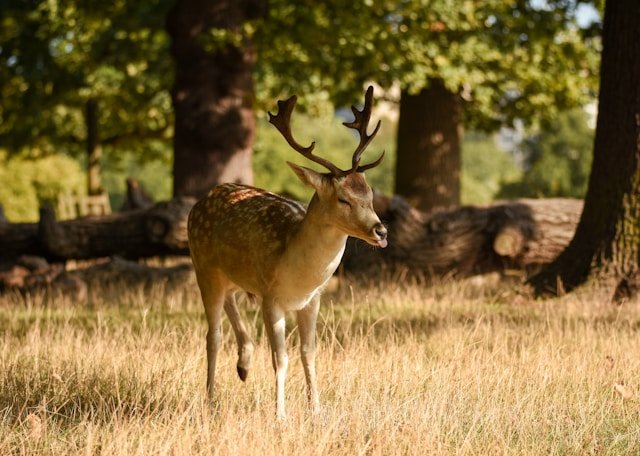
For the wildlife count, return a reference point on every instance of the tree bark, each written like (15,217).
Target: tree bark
(212,93)
(606,247)
(428,161)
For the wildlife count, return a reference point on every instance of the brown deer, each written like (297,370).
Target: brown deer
(245,238)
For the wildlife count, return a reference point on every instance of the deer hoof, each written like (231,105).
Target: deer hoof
(242,373)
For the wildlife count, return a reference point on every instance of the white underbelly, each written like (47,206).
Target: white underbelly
(295,283)
(293,303)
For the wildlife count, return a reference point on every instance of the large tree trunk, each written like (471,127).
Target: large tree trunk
(428,163)
(606,246)
(212,94)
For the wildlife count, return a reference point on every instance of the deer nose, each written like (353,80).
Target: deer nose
(380,231)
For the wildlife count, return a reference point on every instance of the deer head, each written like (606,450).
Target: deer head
(343,196)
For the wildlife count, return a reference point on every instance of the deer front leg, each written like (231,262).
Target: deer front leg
(307,318)
(213,293)
(275,325)
(245,346)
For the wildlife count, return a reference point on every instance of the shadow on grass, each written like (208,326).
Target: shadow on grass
(69,397)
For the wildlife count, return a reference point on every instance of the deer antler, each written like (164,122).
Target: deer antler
(360,124)
(282,121)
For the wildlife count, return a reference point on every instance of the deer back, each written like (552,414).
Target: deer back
(243,230)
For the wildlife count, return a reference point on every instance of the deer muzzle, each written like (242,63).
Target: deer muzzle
(380,234)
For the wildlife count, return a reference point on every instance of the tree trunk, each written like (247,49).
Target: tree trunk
(606,247)
(212,93)
(94,149)
(428,162)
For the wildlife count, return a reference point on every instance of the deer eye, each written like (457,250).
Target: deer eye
(344,201)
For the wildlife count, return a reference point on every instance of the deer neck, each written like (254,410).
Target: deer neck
(314,252)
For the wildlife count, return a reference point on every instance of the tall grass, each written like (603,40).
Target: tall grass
(453,368)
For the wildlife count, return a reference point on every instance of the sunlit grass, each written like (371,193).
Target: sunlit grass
(453,368)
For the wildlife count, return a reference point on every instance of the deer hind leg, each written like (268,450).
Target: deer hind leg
(307,318)
(274,323)
(213,287)
(245,345)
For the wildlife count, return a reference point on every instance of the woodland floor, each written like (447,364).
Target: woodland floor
(466,367)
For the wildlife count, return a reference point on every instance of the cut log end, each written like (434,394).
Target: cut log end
(509,242)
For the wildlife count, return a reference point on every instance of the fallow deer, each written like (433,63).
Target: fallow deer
(245,238)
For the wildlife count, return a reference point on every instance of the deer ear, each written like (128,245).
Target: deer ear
(307,176)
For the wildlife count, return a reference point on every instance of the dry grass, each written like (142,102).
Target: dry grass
(455,368)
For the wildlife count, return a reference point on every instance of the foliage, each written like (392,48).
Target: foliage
(28,183)
(55,56)
(556,159)
(507,59)
(485,169)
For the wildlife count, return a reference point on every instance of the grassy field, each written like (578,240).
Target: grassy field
(453,368)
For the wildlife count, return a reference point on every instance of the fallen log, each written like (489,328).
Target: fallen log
(158,230)
(520,234)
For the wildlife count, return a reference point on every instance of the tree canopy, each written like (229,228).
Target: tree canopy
(507,59)
(56,56)
(510,59)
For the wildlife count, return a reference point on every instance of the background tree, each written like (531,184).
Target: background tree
(556,159)
(480,64)
(78,75)
(606,246)
(212,92)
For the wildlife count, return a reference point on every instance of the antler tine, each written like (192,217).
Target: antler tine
(363,168)
(361,123)
(282,121)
